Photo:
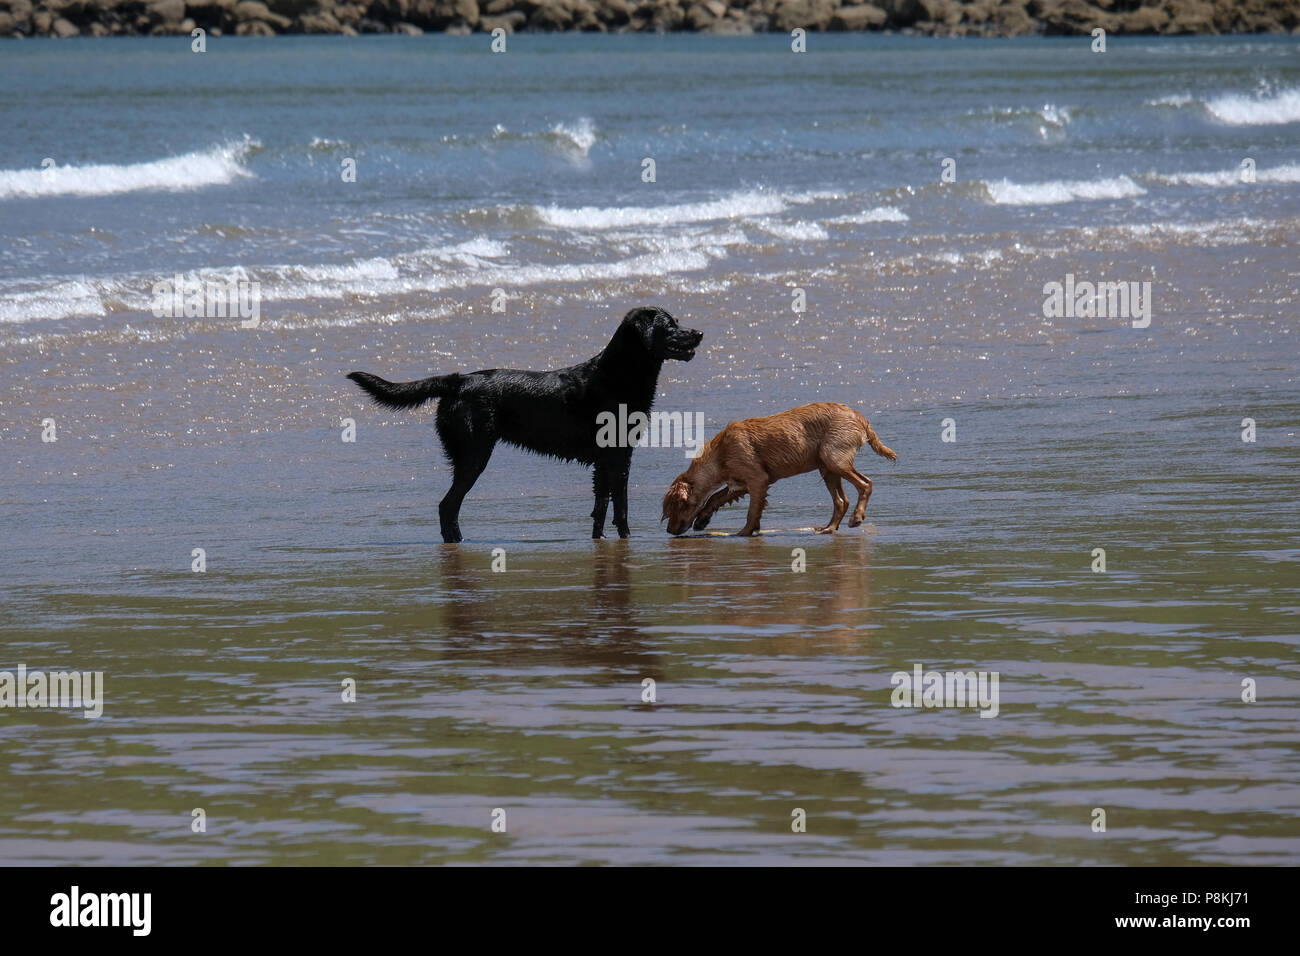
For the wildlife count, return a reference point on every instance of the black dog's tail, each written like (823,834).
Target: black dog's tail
(406,394)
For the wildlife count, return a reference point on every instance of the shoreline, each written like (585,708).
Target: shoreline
(940,18)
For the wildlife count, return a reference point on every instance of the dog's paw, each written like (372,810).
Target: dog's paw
(826,530)
(854,522)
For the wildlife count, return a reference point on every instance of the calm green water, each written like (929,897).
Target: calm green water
(522,689)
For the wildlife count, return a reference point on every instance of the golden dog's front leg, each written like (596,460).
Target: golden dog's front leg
(757,501)
(719,499)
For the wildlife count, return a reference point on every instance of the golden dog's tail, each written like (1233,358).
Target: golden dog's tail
(879,447)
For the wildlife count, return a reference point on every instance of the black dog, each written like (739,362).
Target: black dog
(551,413)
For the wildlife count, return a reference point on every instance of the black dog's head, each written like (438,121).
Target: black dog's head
(661,335)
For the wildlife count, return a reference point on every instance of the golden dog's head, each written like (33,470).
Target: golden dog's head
(681,505)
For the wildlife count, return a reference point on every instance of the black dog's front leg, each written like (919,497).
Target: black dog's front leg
(600,485)
(619,479)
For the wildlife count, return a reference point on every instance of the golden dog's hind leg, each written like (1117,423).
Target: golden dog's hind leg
(839,499)
(863,484)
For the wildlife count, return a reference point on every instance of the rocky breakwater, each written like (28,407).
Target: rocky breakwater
(70,18)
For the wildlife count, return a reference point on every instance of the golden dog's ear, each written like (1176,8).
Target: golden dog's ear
(679,493)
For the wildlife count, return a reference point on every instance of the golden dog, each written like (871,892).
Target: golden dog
(747,457)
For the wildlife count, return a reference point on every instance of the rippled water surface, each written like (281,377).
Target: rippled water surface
(522,689)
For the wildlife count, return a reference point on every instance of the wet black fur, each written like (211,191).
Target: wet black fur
(551,413)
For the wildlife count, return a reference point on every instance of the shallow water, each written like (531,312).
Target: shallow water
(522,689)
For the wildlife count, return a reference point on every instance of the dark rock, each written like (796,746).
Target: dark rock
(1011,20)
(319,23)
(1143,20)
(730,26)
(410,17)
(809,14)
(1072,17)
(861,17)
(247,11)
(348,14)
(1190,16)
(667,16)
(167,12)
(439,14)
(904,13)
(510,22)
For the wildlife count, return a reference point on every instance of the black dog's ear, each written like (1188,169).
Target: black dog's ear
(642,318)
(642,322)
(663,317)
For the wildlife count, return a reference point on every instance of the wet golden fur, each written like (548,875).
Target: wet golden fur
(747,457)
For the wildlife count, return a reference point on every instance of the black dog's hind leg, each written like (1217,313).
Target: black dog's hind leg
(600,485)
(466,472)
(469,450)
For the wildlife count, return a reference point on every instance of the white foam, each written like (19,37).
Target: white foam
(1049,113)
(736,206)
(480,246)
(984,257)
(1007,193)
(1179,99)
(359,270)
(414,273)
(1289,173)
(434,270)
(575,139)
(57,300)
(650,264)
(793,231)
(816,195)
(1235,109)
(694,238)
(212,167)
(471,252)
(879,214)
(1056,115)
